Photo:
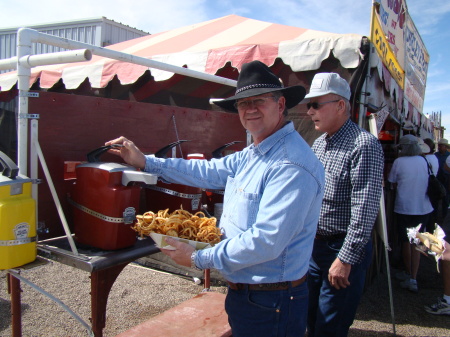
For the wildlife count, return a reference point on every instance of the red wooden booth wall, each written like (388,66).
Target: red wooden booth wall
(70,126)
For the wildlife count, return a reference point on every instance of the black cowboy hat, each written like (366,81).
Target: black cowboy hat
(256,79)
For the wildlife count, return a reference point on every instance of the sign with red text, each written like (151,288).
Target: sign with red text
(392,15)
(381,43)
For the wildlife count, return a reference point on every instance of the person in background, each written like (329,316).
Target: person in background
(412,207)
(447,165)
(273,193)
(442,306)
(433,161)
(443,176)
(354,161)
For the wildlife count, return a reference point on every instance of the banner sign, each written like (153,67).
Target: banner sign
(384,50)
(416,65)
(393,22)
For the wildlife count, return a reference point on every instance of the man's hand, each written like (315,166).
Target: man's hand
(182,254)
(129,152)
(338,274)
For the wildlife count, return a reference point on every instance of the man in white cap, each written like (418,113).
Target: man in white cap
(353,161)
(273,194)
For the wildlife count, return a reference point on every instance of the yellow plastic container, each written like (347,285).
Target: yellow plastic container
(17,221)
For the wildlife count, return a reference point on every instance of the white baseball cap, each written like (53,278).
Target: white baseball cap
(329,83)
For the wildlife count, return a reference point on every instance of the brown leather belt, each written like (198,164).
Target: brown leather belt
(267,286)
(332,237)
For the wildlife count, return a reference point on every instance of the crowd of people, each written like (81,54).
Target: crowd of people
(297,220)
(409,175)
(413,207)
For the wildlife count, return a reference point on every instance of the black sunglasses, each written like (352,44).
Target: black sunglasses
(316,105)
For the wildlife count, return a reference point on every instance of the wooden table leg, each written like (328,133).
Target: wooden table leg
(101,284)
(14,290)
(207,283)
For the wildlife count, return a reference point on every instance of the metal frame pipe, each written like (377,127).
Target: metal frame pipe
(47,59)
(23,82)
(7,64)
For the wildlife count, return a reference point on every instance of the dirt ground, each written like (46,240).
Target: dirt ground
(140,293)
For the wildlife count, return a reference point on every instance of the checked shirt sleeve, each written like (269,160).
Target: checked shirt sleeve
(366,174)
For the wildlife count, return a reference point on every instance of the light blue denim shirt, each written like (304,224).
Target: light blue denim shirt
(273,195)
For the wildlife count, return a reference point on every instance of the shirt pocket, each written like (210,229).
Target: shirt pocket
(241,207)
(337,187)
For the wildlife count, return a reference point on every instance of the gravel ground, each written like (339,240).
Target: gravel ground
(140,293)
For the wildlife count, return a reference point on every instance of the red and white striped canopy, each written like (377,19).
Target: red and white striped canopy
(205,47)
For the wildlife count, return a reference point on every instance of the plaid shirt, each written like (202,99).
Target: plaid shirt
(353,160)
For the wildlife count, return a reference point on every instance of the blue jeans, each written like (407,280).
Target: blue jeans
(331,312)
(276,313)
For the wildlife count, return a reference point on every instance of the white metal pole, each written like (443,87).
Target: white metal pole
(57,58)
(47,59)
(34,162)
(55,197)
(23,82)
(383,229)
(53,298)
(10,63)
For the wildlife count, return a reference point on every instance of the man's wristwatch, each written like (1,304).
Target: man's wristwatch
(193,255)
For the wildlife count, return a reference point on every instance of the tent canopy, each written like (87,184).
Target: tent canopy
(205,47)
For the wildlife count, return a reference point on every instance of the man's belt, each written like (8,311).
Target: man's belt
(331,237)
(267,286)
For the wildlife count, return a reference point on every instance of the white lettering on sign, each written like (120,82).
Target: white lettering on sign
(21,230)
(195,203)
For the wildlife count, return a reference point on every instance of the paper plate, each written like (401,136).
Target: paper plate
(160,241)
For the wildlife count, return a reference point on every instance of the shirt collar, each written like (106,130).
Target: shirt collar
(340,133)
(273,139)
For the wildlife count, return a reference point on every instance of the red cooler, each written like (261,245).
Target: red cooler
(175,196)
(104,206)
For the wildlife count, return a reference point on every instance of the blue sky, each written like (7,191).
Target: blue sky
(432,19)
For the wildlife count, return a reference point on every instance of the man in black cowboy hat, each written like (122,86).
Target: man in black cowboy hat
(273,193)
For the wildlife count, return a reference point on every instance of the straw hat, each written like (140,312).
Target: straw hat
(444,142)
